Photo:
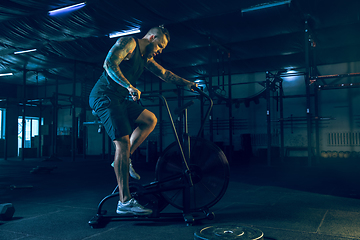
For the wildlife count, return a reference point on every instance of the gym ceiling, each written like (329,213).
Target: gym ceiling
(267,39)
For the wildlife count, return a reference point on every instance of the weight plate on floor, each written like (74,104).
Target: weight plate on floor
(228,232)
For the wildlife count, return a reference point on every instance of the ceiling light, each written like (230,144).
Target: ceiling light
(25,51)
(67,9)
(123,33)
(266,5)
(6,74)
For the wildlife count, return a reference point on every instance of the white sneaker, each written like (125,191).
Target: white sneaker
(132,172)
(132,207)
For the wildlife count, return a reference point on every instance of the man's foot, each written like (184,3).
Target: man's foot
(132,172)
(132,207)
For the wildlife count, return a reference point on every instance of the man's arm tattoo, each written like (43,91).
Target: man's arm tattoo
(117,54)
(164,74)
(173,78)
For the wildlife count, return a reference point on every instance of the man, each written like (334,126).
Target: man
(109,98)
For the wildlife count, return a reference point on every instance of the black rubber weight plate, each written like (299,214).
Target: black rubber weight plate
(228,232)
(210,176)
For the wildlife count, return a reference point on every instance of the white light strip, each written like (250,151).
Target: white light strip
(265,5)
(6,74)
(68,8)
(26,51)
(123,33)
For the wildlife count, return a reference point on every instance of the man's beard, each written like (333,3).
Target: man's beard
(149,50)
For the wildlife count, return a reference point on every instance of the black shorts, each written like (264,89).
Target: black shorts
(117,115)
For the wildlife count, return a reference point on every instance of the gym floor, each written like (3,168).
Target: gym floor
(286,202)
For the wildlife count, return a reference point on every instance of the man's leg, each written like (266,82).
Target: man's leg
(121,167)
(146,124)
(126,205)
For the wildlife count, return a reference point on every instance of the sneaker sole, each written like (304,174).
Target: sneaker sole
(136,177)
(132,213)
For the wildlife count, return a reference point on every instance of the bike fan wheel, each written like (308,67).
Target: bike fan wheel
(209,170)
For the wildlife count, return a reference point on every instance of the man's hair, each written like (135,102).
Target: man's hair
(157,31)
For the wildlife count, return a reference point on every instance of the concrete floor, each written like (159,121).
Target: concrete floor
(286,202)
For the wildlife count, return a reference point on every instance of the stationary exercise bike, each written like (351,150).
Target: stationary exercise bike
(192,175)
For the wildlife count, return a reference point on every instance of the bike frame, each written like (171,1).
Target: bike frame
(181,181)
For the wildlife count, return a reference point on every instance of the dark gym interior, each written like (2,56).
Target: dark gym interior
(283,81)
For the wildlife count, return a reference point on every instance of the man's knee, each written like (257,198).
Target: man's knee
(122,143)
(153,119)
(147,118)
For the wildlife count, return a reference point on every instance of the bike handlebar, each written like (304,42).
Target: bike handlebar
(196,89)
(183,107)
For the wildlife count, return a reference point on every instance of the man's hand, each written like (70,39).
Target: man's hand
(190,84)
(134,93)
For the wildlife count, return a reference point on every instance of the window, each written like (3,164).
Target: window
(31,130)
